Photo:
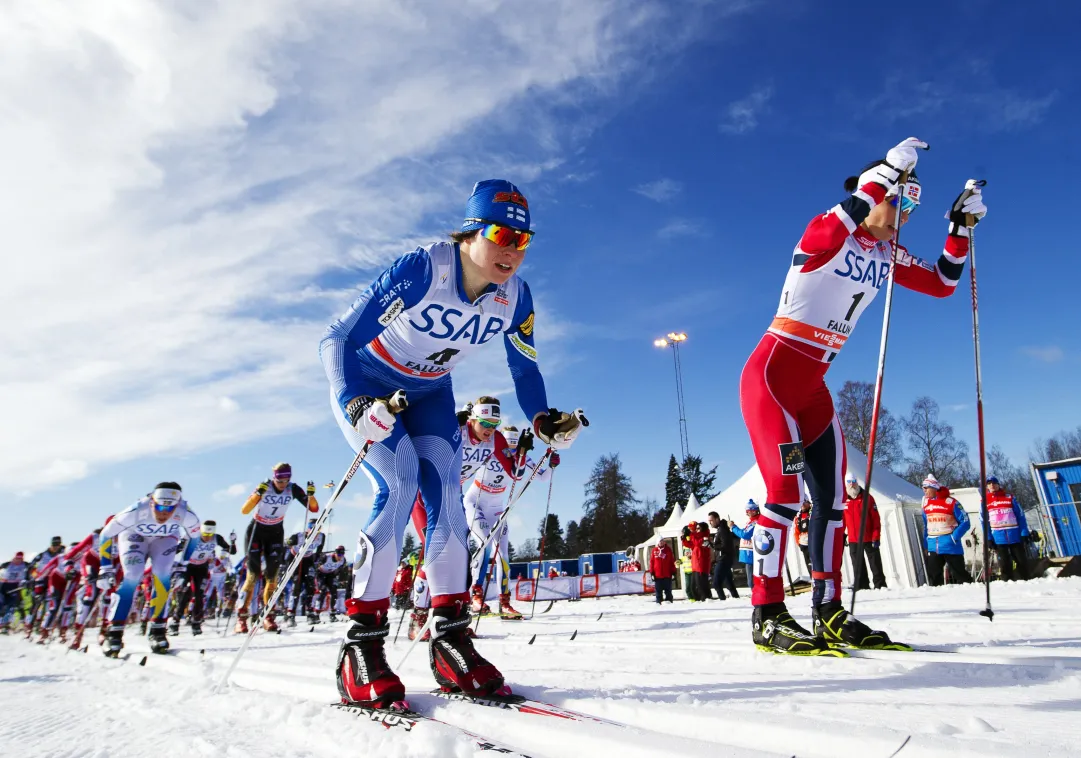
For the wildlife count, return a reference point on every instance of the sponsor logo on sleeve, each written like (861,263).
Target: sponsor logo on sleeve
(523,348)
(793,461)
(526,327)
(392,312)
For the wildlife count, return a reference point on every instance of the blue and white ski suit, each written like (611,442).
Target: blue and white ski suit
(408,330)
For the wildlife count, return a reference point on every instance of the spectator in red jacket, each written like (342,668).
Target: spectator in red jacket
(872,534)
(403,584)
(696,538)
(662,564)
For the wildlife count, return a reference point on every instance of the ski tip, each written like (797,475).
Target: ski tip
(532,640)
(311,629)
(574,635)
(143,661)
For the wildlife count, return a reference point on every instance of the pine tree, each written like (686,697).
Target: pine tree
(675,491)
(697,482)
(551,535)
(572,547)
(610,506)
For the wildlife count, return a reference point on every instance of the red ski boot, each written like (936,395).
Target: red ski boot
(268,623)
(241,625)
(507,612)
(478,606)
(456,664)
(417,619)
(363,674)
(77,637)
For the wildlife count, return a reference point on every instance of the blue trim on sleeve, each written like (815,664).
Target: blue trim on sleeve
(528,382)
(408,279)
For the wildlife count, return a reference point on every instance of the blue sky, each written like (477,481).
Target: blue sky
(186,223)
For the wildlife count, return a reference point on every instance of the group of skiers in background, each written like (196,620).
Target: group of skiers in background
(710,551)
(155,563)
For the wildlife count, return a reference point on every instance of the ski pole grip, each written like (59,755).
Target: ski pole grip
(397,402)
(970,220)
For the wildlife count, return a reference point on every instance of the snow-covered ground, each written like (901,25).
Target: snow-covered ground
(685,677)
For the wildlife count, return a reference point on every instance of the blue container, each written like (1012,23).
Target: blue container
(560,565)
(519,570)
(597,563)
(1059,486)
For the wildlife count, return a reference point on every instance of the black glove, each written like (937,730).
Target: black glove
(553,459)
(525,443)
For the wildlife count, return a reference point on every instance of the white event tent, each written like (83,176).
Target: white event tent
(898,506)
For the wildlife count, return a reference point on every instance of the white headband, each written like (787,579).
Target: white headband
(486,412)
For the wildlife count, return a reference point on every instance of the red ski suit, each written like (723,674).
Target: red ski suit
(835,271)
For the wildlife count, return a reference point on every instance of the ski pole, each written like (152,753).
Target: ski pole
(544,538)
(396,403)
(872,438)
(971,223)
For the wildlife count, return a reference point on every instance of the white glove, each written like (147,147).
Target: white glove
(106,579)
(371,417)
(899,159)
(968,203)
(558,429)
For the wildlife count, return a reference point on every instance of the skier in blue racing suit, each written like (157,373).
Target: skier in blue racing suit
(407,331)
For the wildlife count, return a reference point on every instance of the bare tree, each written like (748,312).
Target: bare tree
(855,404)
(935,449)
(1059,446)
(1015,479)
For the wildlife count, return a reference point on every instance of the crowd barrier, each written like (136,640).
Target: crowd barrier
(577,587)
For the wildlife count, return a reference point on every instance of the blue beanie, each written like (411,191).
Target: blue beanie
(496,201)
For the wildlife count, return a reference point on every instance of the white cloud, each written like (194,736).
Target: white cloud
(182,176)
(680,227)
(661,191)
(1044,353)
(232,492)
(742,116)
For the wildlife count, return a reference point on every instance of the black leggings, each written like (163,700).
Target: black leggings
(265,541)
(195,581)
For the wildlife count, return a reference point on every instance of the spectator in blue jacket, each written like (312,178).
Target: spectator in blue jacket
(945,523)
(1009,530)
(746,546)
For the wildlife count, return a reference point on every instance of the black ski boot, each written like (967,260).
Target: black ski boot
(290,620)
(114,640)
(838,628)
(456,665)
(142,628)
(775,631)
(159,643)
(174,627)
(196,628)
(313,618)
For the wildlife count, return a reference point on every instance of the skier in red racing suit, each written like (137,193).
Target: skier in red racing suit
(836,270)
